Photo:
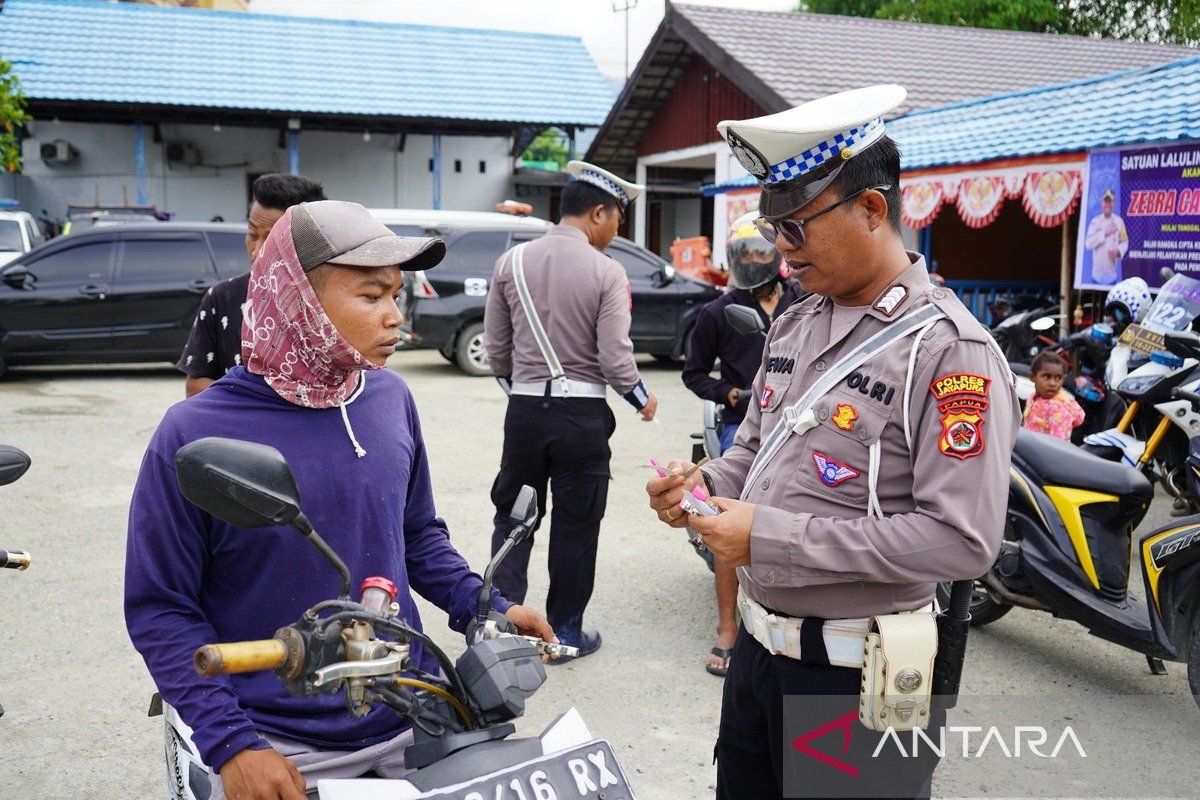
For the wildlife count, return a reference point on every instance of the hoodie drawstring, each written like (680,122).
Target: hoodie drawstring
(358,448)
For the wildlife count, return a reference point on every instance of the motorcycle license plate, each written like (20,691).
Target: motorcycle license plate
(590,771)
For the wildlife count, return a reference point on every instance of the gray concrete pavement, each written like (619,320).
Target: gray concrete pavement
(76,692)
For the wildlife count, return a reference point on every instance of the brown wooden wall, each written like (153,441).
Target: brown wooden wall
(701,98)
(1012,248)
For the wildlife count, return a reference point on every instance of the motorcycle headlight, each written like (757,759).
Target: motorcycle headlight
(1140,385)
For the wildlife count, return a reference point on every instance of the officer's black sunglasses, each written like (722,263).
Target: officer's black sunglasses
(793,229)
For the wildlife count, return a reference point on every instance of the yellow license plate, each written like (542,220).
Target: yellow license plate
(1143,340)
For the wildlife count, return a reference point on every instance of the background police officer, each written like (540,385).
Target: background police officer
(889,475)
(557,333)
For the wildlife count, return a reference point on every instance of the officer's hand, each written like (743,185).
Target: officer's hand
(666,493)
(650,408)
(731,398)
(262,775)
(531,623)
(727,534)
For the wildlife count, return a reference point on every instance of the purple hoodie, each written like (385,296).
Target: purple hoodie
(191,580)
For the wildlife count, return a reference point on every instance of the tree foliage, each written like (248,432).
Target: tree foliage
(1168,21)
(549,145)
(12,116)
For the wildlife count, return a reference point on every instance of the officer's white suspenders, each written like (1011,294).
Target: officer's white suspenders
(799,417)
(563,386)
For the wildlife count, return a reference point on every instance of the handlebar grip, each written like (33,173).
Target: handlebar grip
(14,559)
(226,659)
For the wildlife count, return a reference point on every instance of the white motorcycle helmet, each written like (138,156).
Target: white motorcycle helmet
(1127,302)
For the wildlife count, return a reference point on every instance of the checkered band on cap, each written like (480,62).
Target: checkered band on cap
(608,185)
(814,157)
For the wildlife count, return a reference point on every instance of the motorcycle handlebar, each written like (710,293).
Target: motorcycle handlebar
(14,559)
(1191,397)
(225,659)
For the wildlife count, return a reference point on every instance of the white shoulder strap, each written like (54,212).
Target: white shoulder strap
(535,322)
(798,418)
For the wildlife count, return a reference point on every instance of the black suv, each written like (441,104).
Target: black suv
(444,308)
(122,293)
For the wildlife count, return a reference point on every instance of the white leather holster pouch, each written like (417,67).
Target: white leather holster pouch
(897,678)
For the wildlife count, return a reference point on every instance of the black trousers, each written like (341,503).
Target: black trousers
(756,752)
(563,441)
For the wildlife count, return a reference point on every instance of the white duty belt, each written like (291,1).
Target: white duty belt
(799,417)
(780,636)
(561,385)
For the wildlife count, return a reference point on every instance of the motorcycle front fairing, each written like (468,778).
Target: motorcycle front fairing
(479,770)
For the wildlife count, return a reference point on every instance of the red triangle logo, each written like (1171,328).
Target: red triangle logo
(843,724)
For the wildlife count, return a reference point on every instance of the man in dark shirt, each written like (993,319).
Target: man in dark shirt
(756,282)
(215,344)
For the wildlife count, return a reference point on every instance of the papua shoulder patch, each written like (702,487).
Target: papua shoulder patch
(962,399)
(845,416)
(831,471)
(891,300)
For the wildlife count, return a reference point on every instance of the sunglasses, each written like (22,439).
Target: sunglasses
(793,229)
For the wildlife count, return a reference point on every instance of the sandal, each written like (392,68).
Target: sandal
(724,654)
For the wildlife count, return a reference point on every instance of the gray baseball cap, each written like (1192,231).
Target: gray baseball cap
(337,232)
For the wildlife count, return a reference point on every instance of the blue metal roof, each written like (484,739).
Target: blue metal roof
(1150,104)
(93,51)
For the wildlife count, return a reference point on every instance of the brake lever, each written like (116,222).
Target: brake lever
(344,670)
(492,631)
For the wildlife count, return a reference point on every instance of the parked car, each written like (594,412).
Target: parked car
(113,294)
(19,233)
(444,309)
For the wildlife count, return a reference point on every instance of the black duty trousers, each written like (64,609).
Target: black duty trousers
(756,752)
(563,441)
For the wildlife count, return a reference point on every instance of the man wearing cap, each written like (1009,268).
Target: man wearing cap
(557,333)
(320,322)
(1108,240)
(872,466)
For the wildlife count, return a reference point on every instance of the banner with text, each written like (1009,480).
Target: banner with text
(1141,213)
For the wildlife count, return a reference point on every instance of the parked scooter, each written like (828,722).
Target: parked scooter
(1023,335)
(462,719)
(1066,550)
(13,464)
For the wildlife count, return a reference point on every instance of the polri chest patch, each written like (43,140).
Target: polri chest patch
(871,388)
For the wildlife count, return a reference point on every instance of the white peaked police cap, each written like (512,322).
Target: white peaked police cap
(623,190)
(796,153)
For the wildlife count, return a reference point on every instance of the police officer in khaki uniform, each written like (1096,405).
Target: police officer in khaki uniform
(556,330)
(872,466)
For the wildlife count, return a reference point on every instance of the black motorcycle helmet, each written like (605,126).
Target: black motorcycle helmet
(752,260)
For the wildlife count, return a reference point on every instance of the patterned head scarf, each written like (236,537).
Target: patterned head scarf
(286,335)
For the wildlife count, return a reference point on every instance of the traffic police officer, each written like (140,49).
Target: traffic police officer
(872,466)
(557,332)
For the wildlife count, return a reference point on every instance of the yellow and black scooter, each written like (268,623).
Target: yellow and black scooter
(1066,550)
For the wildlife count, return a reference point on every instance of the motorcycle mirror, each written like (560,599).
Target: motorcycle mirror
(1185,344)
(744,320)
(245,484)
(1042,323)
(524,511)
(13,463)
(248,485)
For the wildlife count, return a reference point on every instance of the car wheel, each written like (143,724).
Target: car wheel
(665,358)
(3,367)
(470,353)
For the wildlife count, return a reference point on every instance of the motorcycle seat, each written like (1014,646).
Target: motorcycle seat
(1060,463)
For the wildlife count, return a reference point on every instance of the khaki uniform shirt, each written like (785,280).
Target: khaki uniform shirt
(814,549)
(582,298)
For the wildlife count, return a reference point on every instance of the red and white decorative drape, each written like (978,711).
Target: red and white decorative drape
(1049,194)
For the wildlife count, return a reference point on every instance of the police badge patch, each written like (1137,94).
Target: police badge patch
(831,471)
(747,156)
(962,400)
